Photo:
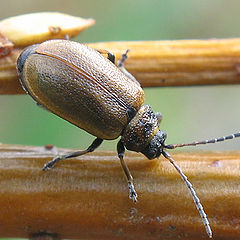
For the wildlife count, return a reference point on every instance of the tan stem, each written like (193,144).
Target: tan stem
(160,63)
(87,197)
(181,62)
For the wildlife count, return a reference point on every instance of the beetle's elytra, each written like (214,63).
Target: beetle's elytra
(87,89)
(82,88)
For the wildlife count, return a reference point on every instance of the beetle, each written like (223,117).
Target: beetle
(82,86)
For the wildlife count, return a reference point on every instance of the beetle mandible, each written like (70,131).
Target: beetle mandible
(87,89)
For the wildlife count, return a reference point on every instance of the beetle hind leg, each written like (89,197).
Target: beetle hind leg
(96,143)
(132,192)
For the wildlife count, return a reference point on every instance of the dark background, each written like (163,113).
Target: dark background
(190,113)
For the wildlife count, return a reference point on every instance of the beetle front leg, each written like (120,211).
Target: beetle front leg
(96,143)
(132,192)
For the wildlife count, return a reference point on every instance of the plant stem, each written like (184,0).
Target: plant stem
(87,197)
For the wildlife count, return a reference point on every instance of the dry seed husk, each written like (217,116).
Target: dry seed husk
(34,28)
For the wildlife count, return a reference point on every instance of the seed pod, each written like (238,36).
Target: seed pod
(28,29)
(34,28)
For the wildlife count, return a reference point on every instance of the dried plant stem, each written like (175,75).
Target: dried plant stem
(9,82)
(87,197)
(160,63)
(181,62)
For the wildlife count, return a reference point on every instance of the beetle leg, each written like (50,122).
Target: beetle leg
(91,148)
(132,192)
(123,59)
(124,70)
(111,56)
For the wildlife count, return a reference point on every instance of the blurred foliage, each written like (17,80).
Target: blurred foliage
(190,113)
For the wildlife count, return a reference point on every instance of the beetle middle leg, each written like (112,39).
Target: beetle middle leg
(132,192)
(95,144)
(124,70)
(120,65)
(110,56)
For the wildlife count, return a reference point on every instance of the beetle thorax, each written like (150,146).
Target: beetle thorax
(142,133)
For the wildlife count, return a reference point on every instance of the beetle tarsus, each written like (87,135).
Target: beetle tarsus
(96,143)
(51,163)
(132,192)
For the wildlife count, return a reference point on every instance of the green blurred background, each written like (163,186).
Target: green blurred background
(190,113)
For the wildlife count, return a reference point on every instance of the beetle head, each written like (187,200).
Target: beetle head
(142,133)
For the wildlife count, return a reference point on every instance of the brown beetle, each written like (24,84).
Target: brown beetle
(87,89)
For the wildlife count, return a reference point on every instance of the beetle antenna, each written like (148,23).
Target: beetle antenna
(193,193)
(220,139)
